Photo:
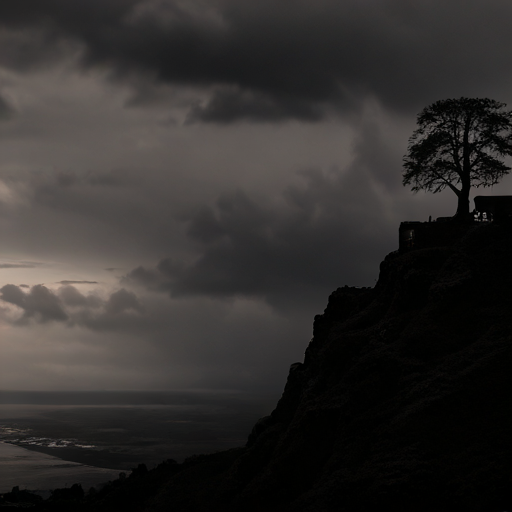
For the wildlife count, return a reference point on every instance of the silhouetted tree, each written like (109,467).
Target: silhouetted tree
(459,143)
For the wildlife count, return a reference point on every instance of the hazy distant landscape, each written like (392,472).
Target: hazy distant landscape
(120,430)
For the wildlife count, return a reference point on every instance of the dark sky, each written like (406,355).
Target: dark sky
(183,183)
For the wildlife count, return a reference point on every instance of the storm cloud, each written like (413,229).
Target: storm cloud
(69,305)
(276,251)
(39,303)
(269,61)
(191,179)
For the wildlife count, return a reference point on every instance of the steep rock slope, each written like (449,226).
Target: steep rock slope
(404,398)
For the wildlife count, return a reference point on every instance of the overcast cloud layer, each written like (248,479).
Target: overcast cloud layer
(183,183)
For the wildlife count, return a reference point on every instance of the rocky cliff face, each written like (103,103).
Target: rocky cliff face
(405,394)
(403,401)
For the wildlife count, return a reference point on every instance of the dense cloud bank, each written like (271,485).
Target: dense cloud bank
(67,304)
(278,251)
(182,183)
(269,61)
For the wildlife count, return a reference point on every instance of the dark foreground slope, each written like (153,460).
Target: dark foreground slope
(403,401)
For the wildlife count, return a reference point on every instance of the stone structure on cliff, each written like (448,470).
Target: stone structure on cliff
(442,232)
(498,208)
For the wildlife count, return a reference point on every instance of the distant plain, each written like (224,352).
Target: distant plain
(119,430)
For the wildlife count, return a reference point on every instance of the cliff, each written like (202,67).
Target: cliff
(403,398)
(402,402)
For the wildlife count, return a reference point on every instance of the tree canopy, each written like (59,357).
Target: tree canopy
(459,143)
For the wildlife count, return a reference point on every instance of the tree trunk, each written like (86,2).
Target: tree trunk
(463,206)
(463,196)
(463,201)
